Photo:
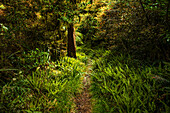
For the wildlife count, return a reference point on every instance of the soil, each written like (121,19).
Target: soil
(83,99)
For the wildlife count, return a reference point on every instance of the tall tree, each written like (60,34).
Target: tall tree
(71,48)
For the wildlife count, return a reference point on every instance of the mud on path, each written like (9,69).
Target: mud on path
(83,99)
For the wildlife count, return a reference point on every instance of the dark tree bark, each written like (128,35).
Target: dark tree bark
(71,48)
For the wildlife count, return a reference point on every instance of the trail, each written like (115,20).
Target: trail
(83,99)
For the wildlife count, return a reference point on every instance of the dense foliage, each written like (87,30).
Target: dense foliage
(121,84)
(127,42)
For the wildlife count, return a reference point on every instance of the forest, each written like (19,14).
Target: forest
(84,56)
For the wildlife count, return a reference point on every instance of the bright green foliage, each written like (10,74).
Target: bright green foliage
(82,57)
(118,87)
(33,59)
(50,88)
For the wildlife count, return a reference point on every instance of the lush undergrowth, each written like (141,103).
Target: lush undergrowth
(129,77)
(47,86)
(121,84)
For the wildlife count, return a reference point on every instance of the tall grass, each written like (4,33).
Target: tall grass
(121,86)
(50,87)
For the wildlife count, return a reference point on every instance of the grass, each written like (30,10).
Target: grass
(120,86)
(50,87)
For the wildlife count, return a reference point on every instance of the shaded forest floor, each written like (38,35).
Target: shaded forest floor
(98,81)
(83,99)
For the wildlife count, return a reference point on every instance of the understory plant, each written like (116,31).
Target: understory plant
(120,87)
(49,87)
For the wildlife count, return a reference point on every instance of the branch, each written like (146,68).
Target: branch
(144,11)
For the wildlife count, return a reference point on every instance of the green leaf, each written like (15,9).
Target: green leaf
(2,6)
(8,69)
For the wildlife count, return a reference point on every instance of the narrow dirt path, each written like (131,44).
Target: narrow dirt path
(83,99)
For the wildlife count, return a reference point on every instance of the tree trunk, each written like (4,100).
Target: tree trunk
(71,48)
